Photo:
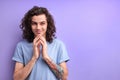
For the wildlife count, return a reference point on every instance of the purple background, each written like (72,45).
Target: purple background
(89,28)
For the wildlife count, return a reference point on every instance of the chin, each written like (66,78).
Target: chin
(38,34)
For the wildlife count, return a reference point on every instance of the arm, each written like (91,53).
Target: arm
(60,71)
(65,70)
(21,72)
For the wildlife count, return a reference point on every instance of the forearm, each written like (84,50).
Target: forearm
(57,70)
(24,72)
(65,76)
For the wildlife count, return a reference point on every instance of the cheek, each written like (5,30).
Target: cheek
(33,29)
(45,28)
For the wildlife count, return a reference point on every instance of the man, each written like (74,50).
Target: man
(40,56)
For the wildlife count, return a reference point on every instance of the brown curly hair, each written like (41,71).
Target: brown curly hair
(26,24)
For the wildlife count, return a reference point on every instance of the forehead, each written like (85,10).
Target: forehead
(39,18)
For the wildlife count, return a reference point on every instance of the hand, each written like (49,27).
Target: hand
(36,47)
(44,47)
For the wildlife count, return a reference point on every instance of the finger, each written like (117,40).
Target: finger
(43,39)
(41,42)
(38,43)
(36,38)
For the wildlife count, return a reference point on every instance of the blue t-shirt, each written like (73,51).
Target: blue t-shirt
(56,51)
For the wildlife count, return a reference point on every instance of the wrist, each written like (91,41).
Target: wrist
(45,57)
(33,58)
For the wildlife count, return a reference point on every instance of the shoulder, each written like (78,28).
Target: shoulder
(58,42)
(22,43)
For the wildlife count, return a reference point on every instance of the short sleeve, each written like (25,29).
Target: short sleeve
(18,55)
(63,55)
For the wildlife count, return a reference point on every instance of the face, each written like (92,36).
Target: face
(39,25)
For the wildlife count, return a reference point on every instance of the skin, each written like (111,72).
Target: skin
(39,28)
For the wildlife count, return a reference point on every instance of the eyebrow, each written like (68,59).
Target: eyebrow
(37,22)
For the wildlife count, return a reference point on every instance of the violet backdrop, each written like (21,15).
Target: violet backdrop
(90,30)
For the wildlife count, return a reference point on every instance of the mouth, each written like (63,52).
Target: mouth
(38,32)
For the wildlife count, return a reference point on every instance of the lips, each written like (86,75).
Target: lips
(38,31)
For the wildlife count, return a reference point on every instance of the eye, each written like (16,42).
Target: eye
(42,23)
(33,23)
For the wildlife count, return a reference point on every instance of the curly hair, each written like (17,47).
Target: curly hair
(26,24)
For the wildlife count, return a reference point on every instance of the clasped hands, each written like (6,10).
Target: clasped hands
(37,42)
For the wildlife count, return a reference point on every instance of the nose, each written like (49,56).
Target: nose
(38,26)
